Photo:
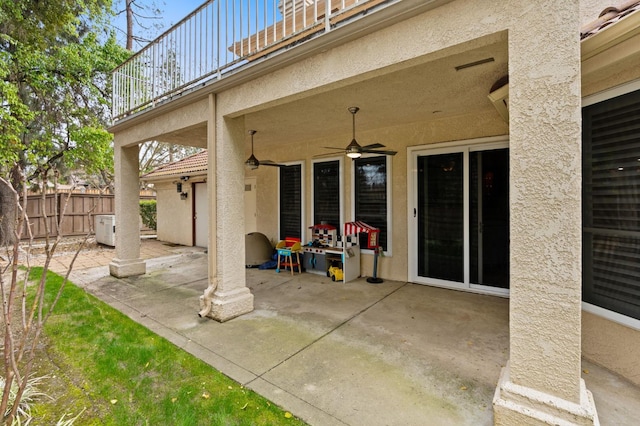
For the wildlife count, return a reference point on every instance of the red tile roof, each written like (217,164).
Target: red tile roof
(608,17)
(187,166)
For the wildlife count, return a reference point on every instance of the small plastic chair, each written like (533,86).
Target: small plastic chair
(287,249)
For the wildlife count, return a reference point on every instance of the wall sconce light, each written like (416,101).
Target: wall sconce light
(183,195)
(178,186)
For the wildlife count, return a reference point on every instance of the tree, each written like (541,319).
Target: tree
(55,59)
(54,88)
(142,20)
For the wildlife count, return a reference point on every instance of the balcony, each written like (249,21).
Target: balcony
(220,38)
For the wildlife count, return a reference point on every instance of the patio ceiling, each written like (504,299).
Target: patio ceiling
(429,89)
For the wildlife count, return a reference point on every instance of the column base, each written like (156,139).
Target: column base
(122,268)
(226,306)
(515,404)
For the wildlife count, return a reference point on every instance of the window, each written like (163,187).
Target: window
(371,195)
(327,193)
(290,203)
(611,204)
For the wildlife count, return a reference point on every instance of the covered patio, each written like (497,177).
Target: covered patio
(345,354)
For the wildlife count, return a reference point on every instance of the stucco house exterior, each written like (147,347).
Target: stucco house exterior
(515,174)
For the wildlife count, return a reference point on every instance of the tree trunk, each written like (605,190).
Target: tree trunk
(7,215)
(129,10)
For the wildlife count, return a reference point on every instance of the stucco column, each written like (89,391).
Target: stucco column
(542,383)
(227,295)
(127,198)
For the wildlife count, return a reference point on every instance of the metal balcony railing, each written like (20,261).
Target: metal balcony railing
(220,36)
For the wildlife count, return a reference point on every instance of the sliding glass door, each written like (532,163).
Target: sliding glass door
(461,218)
(441,217)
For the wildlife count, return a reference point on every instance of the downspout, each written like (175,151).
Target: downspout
(206,300)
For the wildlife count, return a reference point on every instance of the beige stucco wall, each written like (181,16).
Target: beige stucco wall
(612,345)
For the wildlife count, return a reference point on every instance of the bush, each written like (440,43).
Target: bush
(148,213)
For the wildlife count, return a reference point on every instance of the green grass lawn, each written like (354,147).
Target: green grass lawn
(118,372)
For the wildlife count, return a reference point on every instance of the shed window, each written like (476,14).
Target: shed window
(611,204)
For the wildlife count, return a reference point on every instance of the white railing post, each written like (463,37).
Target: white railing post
(327,15)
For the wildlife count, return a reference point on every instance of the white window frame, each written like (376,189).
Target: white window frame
(340,160)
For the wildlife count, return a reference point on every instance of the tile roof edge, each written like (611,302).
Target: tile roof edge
(158,171)
(605,16)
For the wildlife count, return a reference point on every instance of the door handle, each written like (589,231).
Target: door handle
(414,212)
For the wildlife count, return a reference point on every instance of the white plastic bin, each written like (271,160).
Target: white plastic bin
(105,226)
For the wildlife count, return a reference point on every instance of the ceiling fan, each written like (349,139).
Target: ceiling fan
(253,163)
(354,149)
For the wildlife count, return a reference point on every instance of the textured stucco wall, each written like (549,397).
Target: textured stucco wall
(127,199)
(612,345)
(544,96)
(153,128)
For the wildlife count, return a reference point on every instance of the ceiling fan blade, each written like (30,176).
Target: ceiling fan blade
(333,147)
(330,154)
(373,145)
(373,151)
(271,163)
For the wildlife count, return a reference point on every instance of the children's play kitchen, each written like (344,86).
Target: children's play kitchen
(327,253)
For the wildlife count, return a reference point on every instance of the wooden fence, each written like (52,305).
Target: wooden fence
(78,216)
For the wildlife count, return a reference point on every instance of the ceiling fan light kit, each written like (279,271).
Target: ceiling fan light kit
(354,149)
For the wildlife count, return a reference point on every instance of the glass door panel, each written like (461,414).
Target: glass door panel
(489,217)
(440,216)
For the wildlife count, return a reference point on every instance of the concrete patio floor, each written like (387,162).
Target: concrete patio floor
(344,354)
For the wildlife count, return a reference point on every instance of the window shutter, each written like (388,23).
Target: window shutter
(326,193)
(371,195)
(611,204)
(290,201)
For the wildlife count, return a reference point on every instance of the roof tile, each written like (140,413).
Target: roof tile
(609,16)
(187,166)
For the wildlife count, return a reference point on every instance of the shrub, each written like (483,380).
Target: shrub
(148,213)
